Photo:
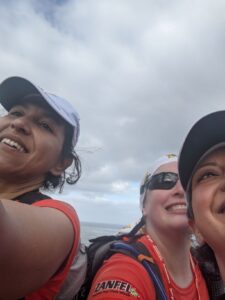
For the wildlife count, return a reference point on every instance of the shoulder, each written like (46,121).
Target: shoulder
(64,207)
(64,270)
(122,275)
(70,214)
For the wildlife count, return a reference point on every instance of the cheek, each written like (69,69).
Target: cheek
(153,204)
(200,205)
(49,153)
(3,123)
(146,207)
(196,200)
(52,145)
(147,204)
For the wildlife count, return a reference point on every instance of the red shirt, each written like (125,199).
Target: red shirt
(122,277)
(52,287)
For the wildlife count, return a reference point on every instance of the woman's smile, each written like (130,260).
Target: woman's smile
(178,207)
(14,144)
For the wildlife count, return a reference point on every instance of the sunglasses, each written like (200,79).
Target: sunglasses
(162,181)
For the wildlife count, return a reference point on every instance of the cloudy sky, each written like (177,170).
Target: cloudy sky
(138,72)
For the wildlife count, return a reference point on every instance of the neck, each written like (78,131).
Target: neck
(12,190)
(175,250)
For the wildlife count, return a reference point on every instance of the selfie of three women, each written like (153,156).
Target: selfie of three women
(181,196)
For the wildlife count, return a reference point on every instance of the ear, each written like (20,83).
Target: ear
(144,213)
(145,209)
(61,166)
(200,239)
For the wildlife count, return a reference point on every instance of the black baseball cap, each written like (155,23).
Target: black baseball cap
(206,134)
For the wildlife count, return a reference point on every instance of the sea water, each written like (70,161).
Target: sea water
(93,230)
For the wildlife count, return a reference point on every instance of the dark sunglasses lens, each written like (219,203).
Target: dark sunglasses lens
(163,181)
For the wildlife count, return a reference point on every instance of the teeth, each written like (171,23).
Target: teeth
(177,207)
(13,144)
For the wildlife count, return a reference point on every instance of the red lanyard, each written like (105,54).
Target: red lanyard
(168,279)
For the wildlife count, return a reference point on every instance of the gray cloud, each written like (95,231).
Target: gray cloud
(139,73)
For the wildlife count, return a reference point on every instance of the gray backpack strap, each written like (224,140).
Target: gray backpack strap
(75,277)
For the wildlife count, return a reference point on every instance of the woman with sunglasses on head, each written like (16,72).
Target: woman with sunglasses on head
(202,174)
(39,236)
(166,238)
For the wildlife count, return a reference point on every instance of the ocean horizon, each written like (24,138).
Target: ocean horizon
(90,230)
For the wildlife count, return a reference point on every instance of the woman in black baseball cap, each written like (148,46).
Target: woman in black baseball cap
(202,175)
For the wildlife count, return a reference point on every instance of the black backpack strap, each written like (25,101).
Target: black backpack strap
(31,197)
(139,252)
(137,227)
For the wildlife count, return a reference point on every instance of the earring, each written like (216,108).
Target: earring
(71,179)
(199,238)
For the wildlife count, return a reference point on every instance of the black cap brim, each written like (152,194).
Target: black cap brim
(208,132)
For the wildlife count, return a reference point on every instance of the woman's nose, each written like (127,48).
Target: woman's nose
(21,125)
(178,190)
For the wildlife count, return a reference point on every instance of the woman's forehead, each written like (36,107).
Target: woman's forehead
(213,156)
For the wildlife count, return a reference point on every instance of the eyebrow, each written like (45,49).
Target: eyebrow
(46,113)
(206,165)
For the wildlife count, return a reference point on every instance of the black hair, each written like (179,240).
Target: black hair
(206,260)
(190,213)
(205,257)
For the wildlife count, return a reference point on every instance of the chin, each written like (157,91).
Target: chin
(182,225)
